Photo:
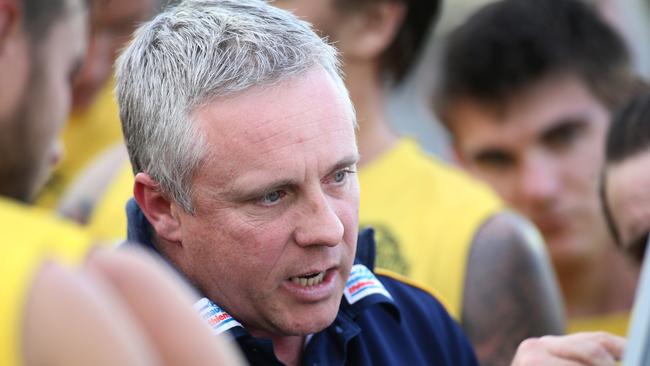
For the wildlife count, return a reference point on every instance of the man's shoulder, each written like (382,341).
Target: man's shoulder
(422,310)
(407,289)
(38,227)
(32,236)
(414,326)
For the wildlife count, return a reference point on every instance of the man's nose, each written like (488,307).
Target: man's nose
(539,182)
(319,224)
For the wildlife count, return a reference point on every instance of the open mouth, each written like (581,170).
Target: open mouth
(311,279)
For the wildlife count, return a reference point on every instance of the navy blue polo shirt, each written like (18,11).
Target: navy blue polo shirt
(381,320)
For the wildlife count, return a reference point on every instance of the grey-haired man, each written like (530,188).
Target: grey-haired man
(242,137)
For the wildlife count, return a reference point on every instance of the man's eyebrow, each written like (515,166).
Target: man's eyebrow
(492,154)
(568,122)
(245,194)
(344,163)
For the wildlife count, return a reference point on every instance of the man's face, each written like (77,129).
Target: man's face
(542,153)
(29,145)
(274,234)
(113,22)
(628,200)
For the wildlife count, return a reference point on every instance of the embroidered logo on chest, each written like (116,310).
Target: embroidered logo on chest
(362,283)
(217,318)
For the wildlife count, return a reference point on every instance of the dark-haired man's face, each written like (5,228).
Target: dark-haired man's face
(628,201)
(35,114)
(543,153)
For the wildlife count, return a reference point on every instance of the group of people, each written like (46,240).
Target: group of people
(274,216)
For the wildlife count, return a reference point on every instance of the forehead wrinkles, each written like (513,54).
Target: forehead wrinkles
(239,151)
(305,144)
(303,120)
(273,138)
(255,137)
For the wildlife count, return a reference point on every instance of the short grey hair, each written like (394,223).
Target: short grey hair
(192,53)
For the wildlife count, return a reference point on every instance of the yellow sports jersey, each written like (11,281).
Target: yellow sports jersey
(30,236)
(425,214)
(108,220)
(85,136)
(616,323)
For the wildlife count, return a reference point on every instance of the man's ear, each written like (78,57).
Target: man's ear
(157,208)
(9,21)
(370,32)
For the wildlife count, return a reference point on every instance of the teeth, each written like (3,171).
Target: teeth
(309,280)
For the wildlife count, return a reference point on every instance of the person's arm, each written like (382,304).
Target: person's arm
(120,308)
(163,306)
(579,349)
(72,319)
(511,292)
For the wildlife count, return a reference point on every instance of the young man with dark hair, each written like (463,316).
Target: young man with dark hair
(527,91)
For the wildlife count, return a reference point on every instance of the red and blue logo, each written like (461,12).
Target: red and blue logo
(217,318)
(362,283)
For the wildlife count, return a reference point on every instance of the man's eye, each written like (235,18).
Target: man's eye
(272,198)
(564,135)
(341,175)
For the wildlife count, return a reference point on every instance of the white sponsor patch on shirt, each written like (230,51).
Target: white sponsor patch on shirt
(361,283)
(217,318)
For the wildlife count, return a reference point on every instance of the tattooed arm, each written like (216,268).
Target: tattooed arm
(510,292)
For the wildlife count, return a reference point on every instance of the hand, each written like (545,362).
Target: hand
(579,349)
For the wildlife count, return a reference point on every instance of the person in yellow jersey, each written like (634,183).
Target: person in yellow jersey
(59,305)
(117,308)
(434,223)
(94,124)
(527,91)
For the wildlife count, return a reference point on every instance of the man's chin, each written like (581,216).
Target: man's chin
(308,322)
